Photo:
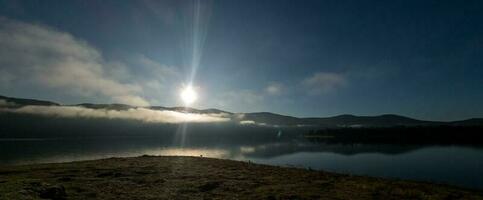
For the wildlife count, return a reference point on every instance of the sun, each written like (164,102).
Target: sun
(188,95)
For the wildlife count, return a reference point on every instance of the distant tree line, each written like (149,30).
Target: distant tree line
(400,135)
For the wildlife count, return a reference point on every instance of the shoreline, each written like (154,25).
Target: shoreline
(182,177)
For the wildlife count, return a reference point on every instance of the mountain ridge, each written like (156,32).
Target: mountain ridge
(269,118)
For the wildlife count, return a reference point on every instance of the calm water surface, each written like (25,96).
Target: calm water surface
(456,165)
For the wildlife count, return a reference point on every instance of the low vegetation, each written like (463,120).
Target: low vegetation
(150,177)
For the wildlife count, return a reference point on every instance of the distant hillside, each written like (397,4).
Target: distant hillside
(381,120)
(469,122)
(337,121)
(272,119)
(191,110)
(24,102)
(106,106)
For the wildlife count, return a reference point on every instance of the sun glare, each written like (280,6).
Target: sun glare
(188,95)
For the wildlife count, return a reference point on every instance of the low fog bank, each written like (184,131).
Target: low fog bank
(140,114)
(51,121)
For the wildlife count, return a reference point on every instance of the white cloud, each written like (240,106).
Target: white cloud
(157,80)
(49,58)
(141,114)
(274,89)
(322,82)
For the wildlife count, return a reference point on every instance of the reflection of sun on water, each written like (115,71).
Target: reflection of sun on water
(213,153)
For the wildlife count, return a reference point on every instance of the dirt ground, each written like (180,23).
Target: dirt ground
(173,177)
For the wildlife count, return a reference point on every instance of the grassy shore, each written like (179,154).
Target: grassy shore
(150,177)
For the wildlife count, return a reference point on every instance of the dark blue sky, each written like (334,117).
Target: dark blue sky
(421,59)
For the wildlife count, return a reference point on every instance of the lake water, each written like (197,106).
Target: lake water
(456,165)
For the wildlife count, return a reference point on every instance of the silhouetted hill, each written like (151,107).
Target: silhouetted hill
(23,102)
(357,121)
(270,118)
(273,119)
(106,106)
(336,121)
(190,110)
(214,110)
(469,122)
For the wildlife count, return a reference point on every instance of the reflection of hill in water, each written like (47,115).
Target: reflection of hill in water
(55,150)
(62,139)
(277,149)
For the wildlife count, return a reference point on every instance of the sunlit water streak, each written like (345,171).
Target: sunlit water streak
(180,136)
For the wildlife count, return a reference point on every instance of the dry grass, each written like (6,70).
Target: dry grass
(151,177)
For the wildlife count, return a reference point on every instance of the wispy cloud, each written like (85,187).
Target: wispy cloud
(50,58)
(275,88)
(140,114)
(322,82)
